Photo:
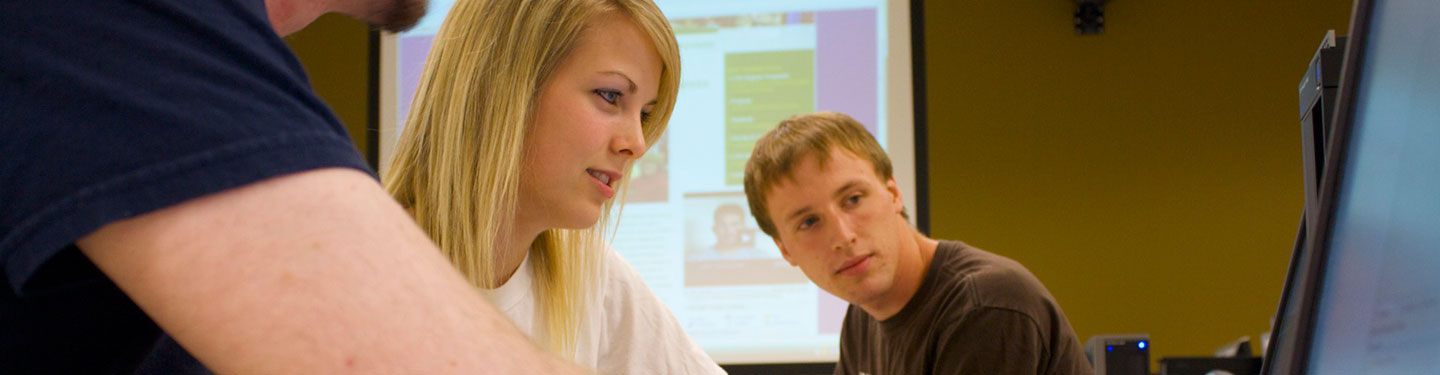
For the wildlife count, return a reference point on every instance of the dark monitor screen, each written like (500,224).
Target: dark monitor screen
(1376,306)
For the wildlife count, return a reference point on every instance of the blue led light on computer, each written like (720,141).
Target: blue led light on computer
(1142,345)
(1109,348)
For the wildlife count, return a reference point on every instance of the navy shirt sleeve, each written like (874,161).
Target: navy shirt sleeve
(111,109)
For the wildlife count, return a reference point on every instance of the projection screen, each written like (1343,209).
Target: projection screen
(685,226)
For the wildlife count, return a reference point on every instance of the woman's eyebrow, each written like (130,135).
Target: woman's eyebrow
(631,88)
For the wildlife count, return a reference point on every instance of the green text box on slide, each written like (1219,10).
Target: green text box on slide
(762,88)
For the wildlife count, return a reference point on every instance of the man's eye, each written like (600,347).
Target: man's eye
(808,222)
(610,96)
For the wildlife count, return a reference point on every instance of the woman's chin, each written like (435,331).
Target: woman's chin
(584,220)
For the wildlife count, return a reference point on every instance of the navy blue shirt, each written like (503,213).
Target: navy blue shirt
(114,108)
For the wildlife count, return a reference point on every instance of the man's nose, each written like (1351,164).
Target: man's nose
(844,232)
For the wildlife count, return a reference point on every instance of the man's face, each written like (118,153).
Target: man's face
(395,15)
(841,225)
(287,17)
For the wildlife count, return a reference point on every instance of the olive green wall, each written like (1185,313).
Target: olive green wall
(335,51)
(1150,175)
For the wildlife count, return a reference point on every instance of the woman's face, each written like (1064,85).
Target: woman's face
(586,128)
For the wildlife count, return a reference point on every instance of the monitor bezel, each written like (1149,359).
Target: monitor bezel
(1292,285)
(1314,131)
(1338,149)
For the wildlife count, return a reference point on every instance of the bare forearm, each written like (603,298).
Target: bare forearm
(317,272)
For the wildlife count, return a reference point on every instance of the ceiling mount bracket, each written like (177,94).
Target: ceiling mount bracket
(1090,17)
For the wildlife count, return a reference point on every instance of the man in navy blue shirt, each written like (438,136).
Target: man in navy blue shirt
(171,190)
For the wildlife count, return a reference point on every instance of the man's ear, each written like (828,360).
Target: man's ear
(894,190)
(783,252)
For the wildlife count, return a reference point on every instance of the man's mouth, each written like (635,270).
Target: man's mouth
(854,264)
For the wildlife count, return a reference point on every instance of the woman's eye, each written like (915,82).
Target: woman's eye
(853,200)
(610,96)
(645,116)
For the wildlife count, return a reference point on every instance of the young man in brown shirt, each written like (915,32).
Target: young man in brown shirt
(822,187)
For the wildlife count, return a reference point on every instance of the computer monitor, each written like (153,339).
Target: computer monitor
(1372,305)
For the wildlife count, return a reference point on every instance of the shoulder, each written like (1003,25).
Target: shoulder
(639,333)
(147,104)
(620,294)
(617,275)
(990,280)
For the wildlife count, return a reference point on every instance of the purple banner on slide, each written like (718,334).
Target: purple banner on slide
(831,310)
(413,51)
(846,76)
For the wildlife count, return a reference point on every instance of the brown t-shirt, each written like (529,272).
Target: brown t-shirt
(975,313)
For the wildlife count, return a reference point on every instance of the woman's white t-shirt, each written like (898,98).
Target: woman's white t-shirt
(635,333)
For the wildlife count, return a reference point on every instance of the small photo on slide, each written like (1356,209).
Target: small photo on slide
(724,246)
(650,176)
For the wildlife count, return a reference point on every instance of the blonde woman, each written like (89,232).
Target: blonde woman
(528,114)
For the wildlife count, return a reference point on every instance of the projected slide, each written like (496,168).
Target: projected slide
(686,226)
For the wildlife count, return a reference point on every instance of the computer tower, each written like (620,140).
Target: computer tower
(1317,107)
(1119,354)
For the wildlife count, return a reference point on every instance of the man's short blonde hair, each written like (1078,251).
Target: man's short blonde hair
(780,149)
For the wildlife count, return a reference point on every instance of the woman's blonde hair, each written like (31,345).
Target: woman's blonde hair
(458,163)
